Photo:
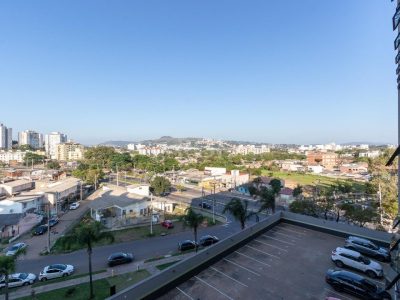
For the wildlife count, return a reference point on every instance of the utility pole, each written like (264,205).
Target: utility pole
(81,191)
(48,227)
(151,213)
(214,204)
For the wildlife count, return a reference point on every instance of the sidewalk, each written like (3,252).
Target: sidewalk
(16,293)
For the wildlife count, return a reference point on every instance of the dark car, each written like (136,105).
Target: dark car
(40,230)
(164,194)
(205,205)
(367,247)
(186,245)
(208,240)
(119,258)
(351,283)
(53,222)
(167,224)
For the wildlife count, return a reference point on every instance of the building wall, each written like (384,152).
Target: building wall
(5,137)
(326,159)
(7,156)
(10,190)
(51,142)
(31,138)
(69,151)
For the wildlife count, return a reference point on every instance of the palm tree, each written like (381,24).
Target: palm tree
(193,220)
(239,210)
(267,200)
(7,266)
(87,234)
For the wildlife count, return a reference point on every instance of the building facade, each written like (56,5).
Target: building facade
(5,137)
(326,159)
(69,151)
(10,156)
(51,141)
(31,138)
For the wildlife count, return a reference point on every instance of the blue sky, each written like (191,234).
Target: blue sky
(269,71)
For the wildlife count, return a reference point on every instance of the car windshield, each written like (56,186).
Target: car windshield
(60,267)
(14,248)
(23,276)
(365,260)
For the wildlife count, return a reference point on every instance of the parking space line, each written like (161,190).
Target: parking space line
(256,240)
(336,293)
(289,236)
(255,273)
(249,257)
(286,229)
(184,293)
(270,237)
(266,253)
(235,280)
(213,287)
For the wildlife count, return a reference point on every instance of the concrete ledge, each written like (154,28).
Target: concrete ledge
(161,283)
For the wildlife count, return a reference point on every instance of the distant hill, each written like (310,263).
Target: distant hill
(117,143)
(169,140)
(364,143)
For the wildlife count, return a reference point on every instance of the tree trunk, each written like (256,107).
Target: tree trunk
(90,270)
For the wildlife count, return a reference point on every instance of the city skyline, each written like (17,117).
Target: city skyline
(301,73)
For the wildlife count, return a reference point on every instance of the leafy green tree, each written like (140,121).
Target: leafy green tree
(53,165)
(121,160)
(7,267)
(297,191)
(89,174)
(193,220)
(253,190)
(239,210)
(33,157)
(267,200)
(88,234)
(100,155)
(304,207)
(25,148)
(160,185)
(344,187)
(359,215)
(276,186)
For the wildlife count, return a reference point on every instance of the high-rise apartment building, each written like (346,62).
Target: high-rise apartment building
(51,141)
(5,137)
(69,151)
(31,138)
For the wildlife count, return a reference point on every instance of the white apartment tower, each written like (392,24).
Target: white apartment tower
(5,137)
(31,138)
(51,141)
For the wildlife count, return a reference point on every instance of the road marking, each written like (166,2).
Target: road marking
(213,287)
(270,237)
(249,257)
(241,267)
(289,236)
(336,293)
(273,246)
(184,293)
(229,276)
(282,228)
(266,253)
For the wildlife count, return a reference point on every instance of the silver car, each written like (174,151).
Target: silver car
(18,279)
(15,248)
(55,271)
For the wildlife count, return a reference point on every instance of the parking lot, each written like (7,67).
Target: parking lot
(286,262)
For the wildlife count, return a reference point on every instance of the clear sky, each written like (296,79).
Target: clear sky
(289,71)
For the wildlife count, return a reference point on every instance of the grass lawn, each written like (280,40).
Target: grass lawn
(40,283)
(166,265)
(101,287)
(311,179)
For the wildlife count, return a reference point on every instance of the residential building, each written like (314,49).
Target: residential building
(290,165)
(151,150)
(316,169)
(14,187)
(21,204)
(5,137)
(69,151)
(51,141)
(139,189)
(326,159)
(131,147)
(12,156)
(354,168)
(31,138)
(370,154)
(246,149)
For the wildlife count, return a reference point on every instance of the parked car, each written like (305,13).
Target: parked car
(164,194)
(367,247)
(186,245)
(53,221)
(205,205)
(167,224)
(55,271)
(74,205)
(353,259)
(351,283)
(119,258)
(208,240)
(18,279)
(39,230)
(15,248)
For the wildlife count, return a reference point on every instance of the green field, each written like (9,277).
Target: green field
(166,265)
(310,179)
(101,287)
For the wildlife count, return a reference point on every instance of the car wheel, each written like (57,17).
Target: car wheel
(371,274)
(26,283)
(43,279)
(339,264)
(337,288)
(65,275)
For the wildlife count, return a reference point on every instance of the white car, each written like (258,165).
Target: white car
(15,248)
(353,259)
(56,271)
(18,279)
(74,205)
